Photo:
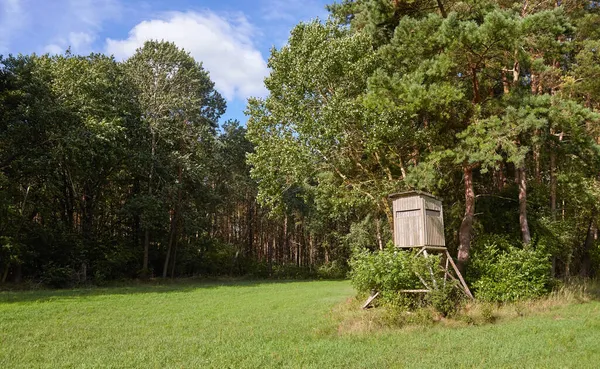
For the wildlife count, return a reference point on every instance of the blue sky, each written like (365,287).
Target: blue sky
(231,37)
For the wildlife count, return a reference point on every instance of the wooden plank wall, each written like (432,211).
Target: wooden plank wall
(418,221)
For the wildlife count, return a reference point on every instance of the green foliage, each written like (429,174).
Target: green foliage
(390,270)
(446,298)
(386,271)
(115,167)
(502,272)
(336,269)
(363,234)
(487,313)
(290,271)
(216,258)
(57,276)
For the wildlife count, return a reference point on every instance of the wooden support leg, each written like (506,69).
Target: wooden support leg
(370,300)
(446,271)
(422,281)
(460,277)
(430,271)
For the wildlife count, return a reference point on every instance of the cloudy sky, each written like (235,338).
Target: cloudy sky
(232,38)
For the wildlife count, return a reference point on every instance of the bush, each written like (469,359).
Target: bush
(212,258)
(445,299)
(290,271)
(389,271)
(334,270)
(502,272)
(386,270)
(57,276)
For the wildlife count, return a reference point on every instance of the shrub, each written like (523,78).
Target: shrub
(143,273)
(487,313)
(57,276)
(390,270)
(502,272)
(445,299)
(386,270)
(334,270)
(290,271)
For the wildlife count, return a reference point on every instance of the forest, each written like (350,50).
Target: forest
(115,170)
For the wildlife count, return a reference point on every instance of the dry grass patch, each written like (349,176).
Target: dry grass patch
(353,320)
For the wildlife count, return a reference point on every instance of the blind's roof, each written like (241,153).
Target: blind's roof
(411,193)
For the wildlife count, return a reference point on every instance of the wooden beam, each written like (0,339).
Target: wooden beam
(446,272)
(415,291)
(370,300)
(464,284)
(440,248)
(422,280)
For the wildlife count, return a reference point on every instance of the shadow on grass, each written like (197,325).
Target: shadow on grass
(133,287)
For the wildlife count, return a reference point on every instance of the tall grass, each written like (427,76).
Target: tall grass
(353,320)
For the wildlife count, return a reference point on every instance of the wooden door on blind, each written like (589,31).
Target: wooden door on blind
(409,228)
(434,223)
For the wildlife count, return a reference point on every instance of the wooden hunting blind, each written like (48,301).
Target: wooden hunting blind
(419,224)
(418,220)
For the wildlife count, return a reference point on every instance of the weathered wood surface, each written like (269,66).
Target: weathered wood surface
(370,300)
(415,291)
(462,281)
(418,220)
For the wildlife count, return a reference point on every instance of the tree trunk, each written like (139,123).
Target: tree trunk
(522,178)
(250,221)
(298,251)
(170,246)
(500,177)
(5,274)
(385,205)
(150,175)
(466,226)
(586,261)
(87,224)
(18,273)
(553,183)
(567,273)
(378,233)
(286,243)
(174,259)
(536,159)
(440,6)
(146,249)
(475,81)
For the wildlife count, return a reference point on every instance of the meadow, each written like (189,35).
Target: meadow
(258,324)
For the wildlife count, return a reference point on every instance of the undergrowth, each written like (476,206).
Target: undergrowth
(388,317)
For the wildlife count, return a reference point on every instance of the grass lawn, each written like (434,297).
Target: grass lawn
(267,324)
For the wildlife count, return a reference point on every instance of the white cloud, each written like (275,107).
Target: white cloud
(224,46)
(54,49)
(79,22)
(80,40)
(12,19)
(54,25)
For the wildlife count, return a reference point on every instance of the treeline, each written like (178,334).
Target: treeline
(115,170)
(491,105)
(112,170)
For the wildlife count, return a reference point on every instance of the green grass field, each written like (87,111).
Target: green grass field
(267,324)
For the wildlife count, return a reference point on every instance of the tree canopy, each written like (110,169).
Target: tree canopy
(451,97)
(115,169)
